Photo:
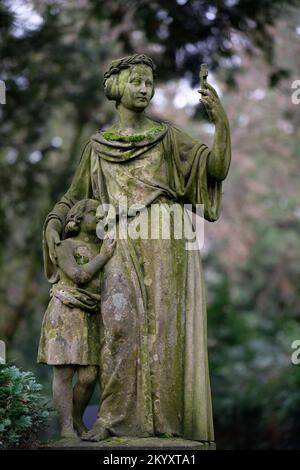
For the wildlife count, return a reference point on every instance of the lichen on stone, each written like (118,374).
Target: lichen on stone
(148,135)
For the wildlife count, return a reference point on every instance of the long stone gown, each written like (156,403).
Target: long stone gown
(154,365)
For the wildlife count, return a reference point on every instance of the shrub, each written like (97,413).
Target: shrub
(23,410)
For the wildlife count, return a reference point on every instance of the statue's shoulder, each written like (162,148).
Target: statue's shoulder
(94,136)
(172,129)
(95,139)
(175,129)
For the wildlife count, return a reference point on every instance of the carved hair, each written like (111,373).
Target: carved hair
(113,86)
(74,217)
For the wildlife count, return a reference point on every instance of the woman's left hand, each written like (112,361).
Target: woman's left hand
(213,104)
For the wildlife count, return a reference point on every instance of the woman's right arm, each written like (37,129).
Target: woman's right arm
(52,234)
(80,188)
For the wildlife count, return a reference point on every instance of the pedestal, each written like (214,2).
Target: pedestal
(118,443)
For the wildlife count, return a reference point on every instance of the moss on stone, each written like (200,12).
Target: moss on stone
(148,135)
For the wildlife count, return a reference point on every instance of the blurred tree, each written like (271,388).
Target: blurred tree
(53,55)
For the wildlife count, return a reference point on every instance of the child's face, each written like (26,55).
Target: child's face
(88,223)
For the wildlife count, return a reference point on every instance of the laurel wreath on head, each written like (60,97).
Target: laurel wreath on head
(126,62)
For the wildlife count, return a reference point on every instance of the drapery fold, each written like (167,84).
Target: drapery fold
(154,362)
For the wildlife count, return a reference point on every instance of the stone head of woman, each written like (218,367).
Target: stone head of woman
(130,82)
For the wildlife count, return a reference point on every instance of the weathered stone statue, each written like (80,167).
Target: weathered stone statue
(154,368)
(70,338)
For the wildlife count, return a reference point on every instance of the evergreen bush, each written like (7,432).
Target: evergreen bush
(23,410)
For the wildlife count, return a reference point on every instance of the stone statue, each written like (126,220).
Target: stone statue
(70,337)
(154,375)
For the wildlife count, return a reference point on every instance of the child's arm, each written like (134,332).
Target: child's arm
(80,274)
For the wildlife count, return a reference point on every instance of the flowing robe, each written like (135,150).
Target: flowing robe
(154,364)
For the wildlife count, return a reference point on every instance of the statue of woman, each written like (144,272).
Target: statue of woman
(154,368)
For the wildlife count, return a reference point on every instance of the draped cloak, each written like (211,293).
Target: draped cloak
(154,365)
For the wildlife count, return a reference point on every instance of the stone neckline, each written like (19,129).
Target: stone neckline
(148,135)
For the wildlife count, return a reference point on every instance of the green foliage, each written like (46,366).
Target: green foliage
(254,321)
(23,412)
(133,137)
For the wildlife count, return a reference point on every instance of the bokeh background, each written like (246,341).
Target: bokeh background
(53,56)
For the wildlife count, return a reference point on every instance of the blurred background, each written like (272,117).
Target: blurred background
(53,56)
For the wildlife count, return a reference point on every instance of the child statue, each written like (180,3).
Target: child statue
(71,329)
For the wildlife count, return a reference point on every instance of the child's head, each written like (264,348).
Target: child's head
(82,216)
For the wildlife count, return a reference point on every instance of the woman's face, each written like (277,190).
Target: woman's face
(138,88)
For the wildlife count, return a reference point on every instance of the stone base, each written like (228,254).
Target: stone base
(116,443)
